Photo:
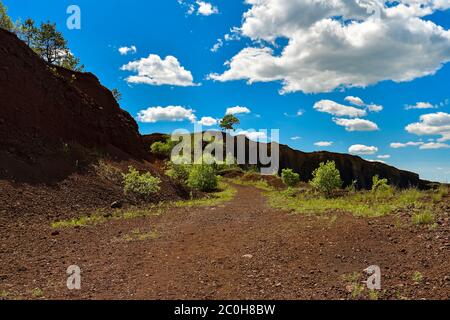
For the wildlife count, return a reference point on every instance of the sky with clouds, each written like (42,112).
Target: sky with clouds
(367,77)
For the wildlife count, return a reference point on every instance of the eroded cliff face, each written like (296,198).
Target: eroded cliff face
(46,111)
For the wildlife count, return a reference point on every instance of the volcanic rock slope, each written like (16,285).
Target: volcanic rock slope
(44,110)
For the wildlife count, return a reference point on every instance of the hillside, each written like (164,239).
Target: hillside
(352,168)
(55,127)
(48,111)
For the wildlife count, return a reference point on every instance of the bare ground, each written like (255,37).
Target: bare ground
(241,250)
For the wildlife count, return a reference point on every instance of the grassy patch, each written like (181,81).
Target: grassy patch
(417,277)
(37,293)
(137,235)
(4,294)
(426,217)
(355,287)
(226,193)
(101,216)
(259,184)
(362,203)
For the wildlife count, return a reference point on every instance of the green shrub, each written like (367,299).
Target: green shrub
(426,217)
(290,178)
(380,185)
(161,148)
(139,185)
(203,177)
(326,178)
(179,169)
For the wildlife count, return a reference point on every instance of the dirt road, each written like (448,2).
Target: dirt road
(241,250)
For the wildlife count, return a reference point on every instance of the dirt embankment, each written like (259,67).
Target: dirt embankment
(47,114)
(55,125)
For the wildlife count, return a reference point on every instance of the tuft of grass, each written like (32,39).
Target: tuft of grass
(373,295)
(109,172)
(100,217)
(426,217)
(37,293)
(226,193)
(417,277)
(439,194)
(137,235)
(4,294)
(357,288)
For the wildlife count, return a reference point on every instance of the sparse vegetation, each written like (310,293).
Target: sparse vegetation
(103,216)
(163,149)
(137,235)
(139,185)
(362,203)
(224,194)
(203,177)
(179,170)
(417,277)
(426,217)
(116,94)
(37,293)
(259,183)
(290,178)
(440,194)
(326,178)
(109,172)
(5,21)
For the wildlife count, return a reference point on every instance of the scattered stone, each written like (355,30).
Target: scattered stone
(247,256)
(22,269)
(116,205)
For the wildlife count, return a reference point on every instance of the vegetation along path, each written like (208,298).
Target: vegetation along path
(240,249)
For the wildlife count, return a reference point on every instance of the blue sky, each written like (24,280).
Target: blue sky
(189,30)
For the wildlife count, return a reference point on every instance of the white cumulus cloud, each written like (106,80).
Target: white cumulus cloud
(156,71)
(356,124)
(237,110)
(208,121)
(434,145)
(323,143)
(398,145)
(339,110)
(202,8)
(206,8)
(361,149)
(126,50)
(420,105)
(339,44)
(169,113)
(432,124)
(355,101)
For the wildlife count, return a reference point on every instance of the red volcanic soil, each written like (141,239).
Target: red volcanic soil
(240,250)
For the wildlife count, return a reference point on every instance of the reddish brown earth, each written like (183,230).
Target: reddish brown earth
(203,253)
(54,121)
